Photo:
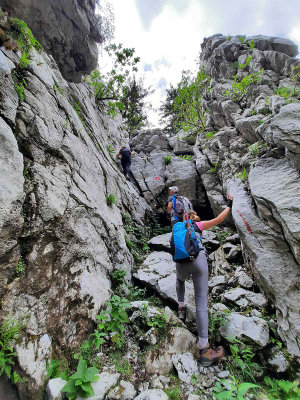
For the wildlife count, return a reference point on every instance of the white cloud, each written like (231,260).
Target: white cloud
(168,36)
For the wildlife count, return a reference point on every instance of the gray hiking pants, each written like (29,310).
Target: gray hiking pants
(199,271)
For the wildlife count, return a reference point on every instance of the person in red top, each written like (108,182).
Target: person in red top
(199,271)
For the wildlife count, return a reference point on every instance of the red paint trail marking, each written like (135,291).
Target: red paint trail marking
(245,222)
(157,178)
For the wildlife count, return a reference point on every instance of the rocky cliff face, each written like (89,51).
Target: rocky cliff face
(56,226)
(253,153)
(68,30)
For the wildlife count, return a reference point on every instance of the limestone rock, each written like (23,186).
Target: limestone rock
(69,31)
(246,328)
(277,360)
(179,340)
(152,394)
(102,385)
(54,387)
(255,299)
(161,242)
(186,366)
(125,391)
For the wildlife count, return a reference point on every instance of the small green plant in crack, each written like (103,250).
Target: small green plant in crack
(256,148)
(111,199)
(19,85)
(243,175)
(20,267)
(214,169)
(168,159)
(246,63)
(24,61)
(216,321)
(118,276)
(127,218)
(10,333)
(79,384)
(253,112)
(251,45)
(242,39)
(229,37)
(186,157)
(124,368)
(111,150)
(58,89)
(260,121)
(56,369)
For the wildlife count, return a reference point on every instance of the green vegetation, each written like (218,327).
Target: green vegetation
(239,89)
(58,89)
(119,91)
(56,369)
(10,332)
(243,175)
(229,37)
(112,320)
(216,320)
(19,84)
(234,390)
(168,159)
(256,148)
(214,169)
(246,63)
(242,39)
(288,93)
(20,267)
(111,150)
(281,389)
(183,108)
(209,135)
(186,157)
(79,384)
(251,45)
(253,112)
(111,199)
(118,276)
(24,61)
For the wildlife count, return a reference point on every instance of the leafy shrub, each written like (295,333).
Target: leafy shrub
(112,320)
(251,45)
(281,389)
(239,89)
(79,384)
(253,112)
(242,39)
(246,63)
(118,276)
(111,199)
(24,61)
(216,320)
(243,175)
(19,85)
(235,390)
(168,159)
(288,93)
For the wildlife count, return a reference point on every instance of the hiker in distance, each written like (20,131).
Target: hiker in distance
(177,205)
(125,155)
(198,268)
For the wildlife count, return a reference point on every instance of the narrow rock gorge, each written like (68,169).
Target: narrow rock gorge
(70,223)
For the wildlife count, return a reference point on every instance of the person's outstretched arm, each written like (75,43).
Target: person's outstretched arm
(220,218)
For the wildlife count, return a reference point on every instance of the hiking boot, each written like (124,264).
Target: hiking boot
(182,313)
(209,356)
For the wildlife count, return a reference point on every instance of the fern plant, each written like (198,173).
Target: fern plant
(243,175)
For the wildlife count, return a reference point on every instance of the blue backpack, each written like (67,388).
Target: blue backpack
(185,245)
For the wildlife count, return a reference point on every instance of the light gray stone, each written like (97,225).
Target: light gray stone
(69,31)
(125,391)
(256,299)
(277,360)
(54,387)
(152,394)
(186,366)
(216,280)
(102,385)
(251,328)
(161,242)
(179,340)
(223,374)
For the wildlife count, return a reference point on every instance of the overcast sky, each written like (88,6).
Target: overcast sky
(167,34)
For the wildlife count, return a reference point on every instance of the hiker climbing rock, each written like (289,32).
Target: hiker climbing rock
(125,155)
(177,205)
(196,265)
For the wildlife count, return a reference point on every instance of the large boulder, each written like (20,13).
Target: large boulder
(67,30)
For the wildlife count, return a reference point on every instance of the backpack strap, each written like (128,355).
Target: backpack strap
(174,205)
